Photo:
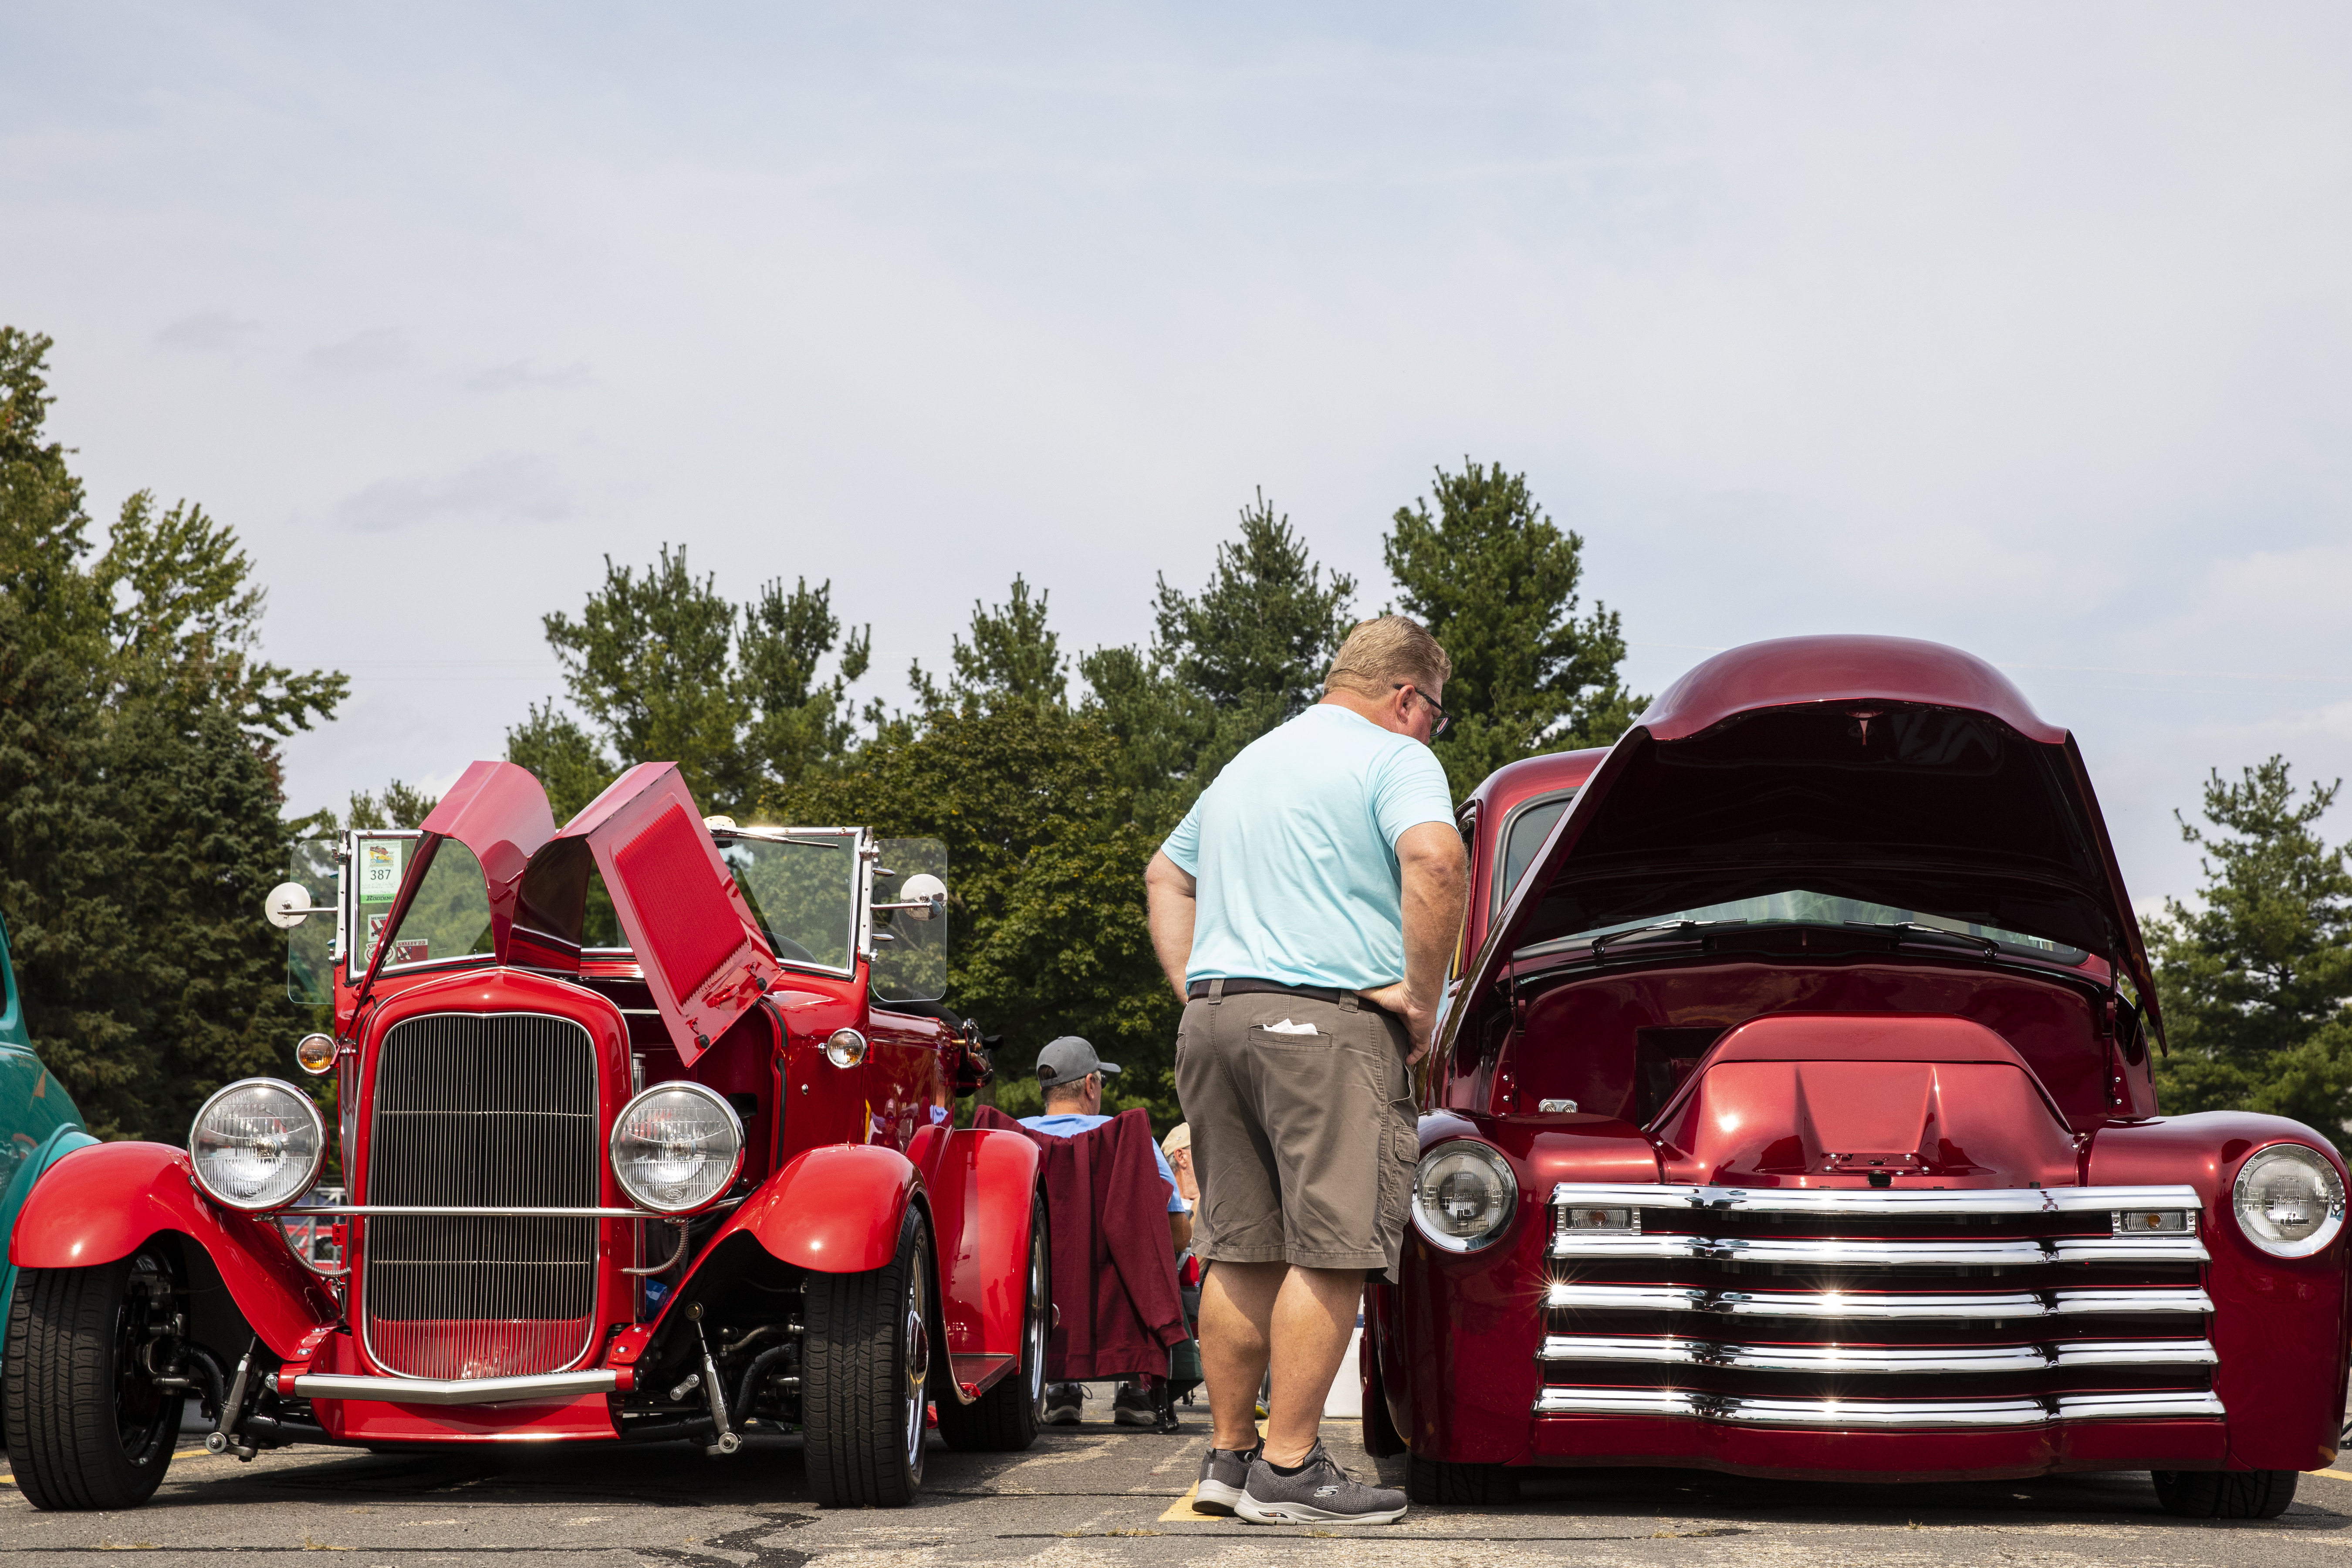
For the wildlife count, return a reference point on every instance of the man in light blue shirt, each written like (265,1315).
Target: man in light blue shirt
(1305,910)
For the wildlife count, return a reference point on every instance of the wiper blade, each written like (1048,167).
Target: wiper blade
(1683,928)
(1986,944)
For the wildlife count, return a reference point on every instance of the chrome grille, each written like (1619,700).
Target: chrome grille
(1829,1308)
(494,1110)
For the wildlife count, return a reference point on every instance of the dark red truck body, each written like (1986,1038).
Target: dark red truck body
(1800,1193)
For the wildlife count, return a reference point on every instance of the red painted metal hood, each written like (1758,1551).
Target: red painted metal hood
(499,812)
(1879,769)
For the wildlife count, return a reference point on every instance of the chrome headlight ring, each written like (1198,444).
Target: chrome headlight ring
(2288,1199)
(1463,1196)
(676,1148)
(256,1145)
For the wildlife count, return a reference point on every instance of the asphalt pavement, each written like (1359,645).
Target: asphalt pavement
(1099,1494)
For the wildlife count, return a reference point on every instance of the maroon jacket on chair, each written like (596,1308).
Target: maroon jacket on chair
(1114,1267)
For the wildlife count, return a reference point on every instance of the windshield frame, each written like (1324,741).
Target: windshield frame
(858,925)
(356,954)
(1500,894)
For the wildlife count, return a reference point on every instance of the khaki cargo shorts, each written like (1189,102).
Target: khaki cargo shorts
(1303,1133)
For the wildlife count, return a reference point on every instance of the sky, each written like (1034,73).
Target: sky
(2025,328)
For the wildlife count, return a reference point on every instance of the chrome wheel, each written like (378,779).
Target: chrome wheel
(917,1370)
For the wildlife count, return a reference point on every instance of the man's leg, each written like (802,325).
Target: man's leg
(1314,1315)
(1237,1314)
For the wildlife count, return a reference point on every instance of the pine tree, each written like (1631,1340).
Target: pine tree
(2255,983)
(1496,583)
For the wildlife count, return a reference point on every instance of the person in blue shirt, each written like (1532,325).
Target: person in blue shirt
(1072,1076)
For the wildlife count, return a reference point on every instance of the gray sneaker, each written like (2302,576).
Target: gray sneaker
(1320,1493)
(1223,1471)
(1065,1404)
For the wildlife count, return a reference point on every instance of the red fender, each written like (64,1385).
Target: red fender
(980,1190)
(100,1203)
(835,1209)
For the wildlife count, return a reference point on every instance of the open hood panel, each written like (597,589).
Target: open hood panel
(1877,769)
(499,812)
(703,956)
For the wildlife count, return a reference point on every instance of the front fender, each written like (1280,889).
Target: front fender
(836,1210)
(101,1202)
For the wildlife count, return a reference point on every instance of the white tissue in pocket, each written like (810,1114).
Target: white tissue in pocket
(1287,1027)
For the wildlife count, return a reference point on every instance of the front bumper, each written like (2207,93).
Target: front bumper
(539,1389)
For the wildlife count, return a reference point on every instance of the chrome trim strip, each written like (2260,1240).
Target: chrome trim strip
(1673,1350)
(449,1390)
(1841,1304)
(1866,1252)
(1874,1202)
(1883,1415)
(450,1211)
(1889,1359)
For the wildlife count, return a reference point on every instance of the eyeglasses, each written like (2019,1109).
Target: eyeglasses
(1444,719)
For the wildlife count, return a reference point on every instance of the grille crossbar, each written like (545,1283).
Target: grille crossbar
(481,1112)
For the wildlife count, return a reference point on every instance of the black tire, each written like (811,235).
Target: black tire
(2225,1494)
(864,1381)
(1005,1419)
(86,1426)
(1435,1480)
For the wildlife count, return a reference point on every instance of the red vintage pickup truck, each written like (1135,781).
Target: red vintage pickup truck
(1792,1113)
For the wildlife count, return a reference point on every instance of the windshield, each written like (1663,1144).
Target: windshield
(801,887)
(449,918)
(1799,907)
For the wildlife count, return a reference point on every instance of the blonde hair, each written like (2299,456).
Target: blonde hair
(1385,652)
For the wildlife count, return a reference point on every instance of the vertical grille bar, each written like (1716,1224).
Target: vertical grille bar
(494,1110)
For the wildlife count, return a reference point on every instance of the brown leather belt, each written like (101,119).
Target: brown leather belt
(1199,990)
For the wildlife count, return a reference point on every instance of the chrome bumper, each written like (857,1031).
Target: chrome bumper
(540,1389)
(1878,1415)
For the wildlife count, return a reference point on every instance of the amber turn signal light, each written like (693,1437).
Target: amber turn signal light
(315,1053)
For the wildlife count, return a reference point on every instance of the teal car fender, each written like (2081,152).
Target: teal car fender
(38,1123)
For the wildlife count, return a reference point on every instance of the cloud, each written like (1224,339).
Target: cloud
(368,353)
(511,487)
(523,375)
(207,331)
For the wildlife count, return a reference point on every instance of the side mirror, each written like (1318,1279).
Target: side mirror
(288,905)
(924,897)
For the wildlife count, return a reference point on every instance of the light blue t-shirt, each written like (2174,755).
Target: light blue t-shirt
(1294,852)
(1070,1123)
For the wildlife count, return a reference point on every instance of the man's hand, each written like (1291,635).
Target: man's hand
(1168,894)
(1420,1018)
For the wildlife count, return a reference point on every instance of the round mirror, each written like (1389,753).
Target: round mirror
(288,905)
(923,896)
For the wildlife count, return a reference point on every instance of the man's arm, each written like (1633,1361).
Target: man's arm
(1436,893)
(1170,893)
(1179,1229)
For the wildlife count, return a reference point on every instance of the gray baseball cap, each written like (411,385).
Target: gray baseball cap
(1068,1059)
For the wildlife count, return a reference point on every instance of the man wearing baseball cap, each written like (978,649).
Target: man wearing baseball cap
(1072,1076)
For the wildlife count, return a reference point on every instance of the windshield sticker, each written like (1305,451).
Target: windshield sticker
(379,869)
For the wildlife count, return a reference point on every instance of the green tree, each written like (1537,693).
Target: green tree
(142,787)
(1226,665)
(668,668)
(1495,582)
(2254,983)
(399,805)
(1044,854)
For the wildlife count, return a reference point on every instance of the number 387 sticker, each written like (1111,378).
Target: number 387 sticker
(379,869)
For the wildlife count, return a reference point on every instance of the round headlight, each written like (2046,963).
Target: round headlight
(315,1053)
(677,1147)
(1463,1195)
(845,1047)
(258,1144)
(2289,1199)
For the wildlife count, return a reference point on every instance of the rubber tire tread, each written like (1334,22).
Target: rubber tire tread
(1004,1420)
(849,1380)
(59,1403)
(1437,1481)
(2225,1494)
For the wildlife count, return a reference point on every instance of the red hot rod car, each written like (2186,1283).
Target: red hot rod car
(646,1132)
(1794,1114)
